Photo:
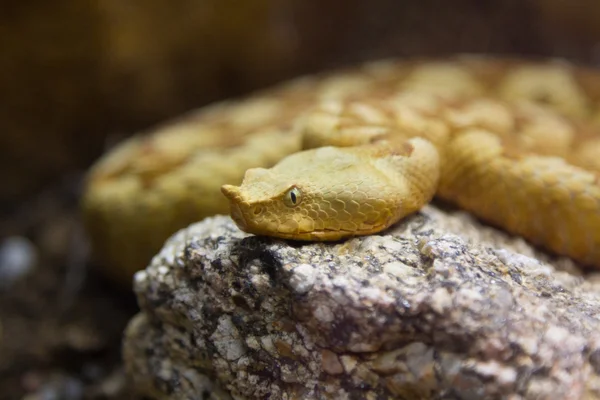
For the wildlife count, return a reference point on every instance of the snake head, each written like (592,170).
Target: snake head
(330,193)
(267,204)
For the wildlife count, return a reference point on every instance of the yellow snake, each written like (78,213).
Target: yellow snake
(512,141)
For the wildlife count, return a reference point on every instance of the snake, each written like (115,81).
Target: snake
(352,151)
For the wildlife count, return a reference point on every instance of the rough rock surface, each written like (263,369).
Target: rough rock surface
(437,307)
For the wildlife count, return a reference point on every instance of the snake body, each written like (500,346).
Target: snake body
(352,152)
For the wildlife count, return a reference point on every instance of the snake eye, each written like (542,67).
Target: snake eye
(292,197)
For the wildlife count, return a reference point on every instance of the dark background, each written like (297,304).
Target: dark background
(78,76)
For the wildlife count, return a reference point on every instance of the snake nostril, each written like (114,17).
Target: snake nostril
(257,210)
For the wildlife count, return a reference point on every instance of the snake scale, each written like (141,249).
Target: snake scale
(350,152)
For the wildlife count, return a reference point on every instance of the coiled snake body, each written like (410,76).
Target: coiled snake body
(514,142)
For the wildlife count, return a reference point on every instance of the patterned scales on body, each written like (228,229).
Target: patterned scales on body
(352,152)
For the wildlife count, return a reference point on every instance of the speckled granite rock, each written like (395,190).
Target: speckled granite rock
(438,307)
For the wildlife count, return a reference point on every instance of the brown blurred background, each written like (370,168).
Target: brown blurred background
(77,76)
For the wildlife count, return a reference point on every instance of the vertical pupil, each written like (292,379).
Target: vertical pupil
(293,197)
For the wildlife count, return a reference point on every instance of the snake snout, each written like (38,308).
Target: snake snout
(233,193)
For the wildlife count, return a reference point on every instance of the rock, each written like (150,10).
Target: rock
(437,307)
